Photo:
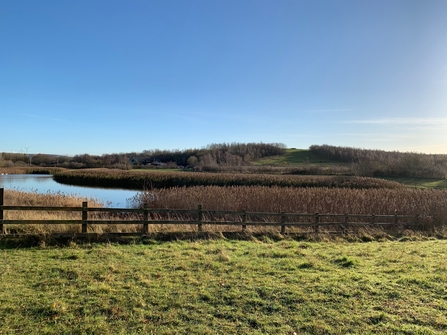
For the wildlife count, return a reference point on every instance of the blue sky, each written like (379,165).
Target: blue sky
(98,77)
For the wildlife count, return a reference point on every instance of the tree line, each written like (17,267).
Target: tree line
(223,154)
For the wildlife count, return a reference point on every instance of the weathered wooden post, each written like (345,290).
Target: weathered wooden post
(345,230)
(2,231)
(373,219)
(317,221)
(283,220)
(84,217)
(145,218)
(433,223)
(244,220)
(200,217)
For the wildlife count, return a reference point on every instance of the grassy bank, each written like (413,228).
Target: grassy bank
(421,182)
(226,287)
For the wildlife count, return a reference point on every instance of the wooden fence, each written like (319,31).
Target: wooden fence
(312,222)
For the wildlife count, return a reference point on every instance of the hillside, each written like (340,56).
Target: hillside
(308,161)
(295,156)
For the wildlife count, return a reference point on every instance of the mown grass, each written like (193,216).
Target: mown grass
(421,182)
(226,287)
(293,157)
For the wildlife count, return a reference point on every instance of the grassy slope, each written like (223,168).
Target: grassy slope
(301,156)
(226,287)
(293,157)
(421,182)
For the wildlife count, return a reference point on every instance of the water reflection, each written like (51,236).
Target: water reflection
(45,183)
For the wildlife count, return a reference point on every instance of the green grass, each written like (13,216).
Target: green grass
(421,182)
(293,157)
(226,287)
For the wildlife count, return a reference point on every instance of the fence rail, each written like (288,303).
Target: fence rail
(201,217)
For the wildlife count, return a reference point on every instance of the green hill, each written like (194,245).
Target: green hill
(293,157)
(302,157)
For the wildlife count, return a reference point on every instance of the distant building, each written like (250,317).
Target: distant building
(133,161)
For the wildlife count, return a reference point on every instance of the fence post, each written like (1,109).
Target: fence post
(283,220)
(145,218)
(373,219)
(2,231)
(84,217)
(200,217)
(317,221)
(345,230)
(244,220)
(433,224)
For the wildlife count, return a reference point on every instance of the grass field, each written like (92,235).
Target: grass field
(299,157)
(421,182)
(293,156)
(226,287)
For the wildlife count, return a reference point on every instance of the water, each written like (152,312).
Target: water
(116,198)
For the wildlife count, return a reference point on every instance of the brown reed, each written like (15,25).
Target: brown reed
(275,199)
(405,201)
(167,179)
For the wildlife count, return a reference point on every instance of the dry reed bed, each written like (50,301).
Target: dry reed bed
(20,198)
(405,201)
(154,180)
(298,200)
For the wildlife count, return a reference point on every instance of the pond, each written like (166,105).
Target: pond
(110,197)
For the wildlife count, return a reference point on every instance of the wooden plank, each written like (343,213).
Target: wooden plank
(37,222)
(42,208)
(295,214)
(195,222)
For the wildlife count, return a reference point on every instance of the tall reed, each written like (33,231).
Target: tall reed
(20,198)
(274,199)
(300,200)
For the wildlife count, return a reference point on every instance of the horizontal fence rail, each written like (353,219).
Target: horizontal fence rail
(145,217)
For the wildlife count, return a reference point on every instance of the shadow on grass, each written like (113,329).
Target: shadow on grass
(61,240)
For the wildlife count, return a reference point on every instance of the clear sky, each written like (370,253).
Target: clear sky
(90,76)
